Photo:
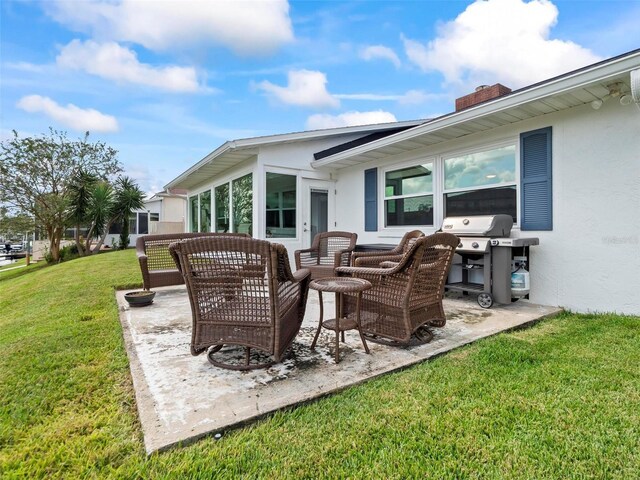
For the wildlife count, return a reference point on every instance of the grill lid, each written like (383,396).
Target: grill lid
(479,225)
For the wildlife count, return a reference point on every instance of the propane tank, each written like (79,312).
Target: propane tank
(520,282)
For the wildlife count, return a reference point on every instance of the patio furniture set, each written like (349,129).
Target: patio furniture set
(243,292)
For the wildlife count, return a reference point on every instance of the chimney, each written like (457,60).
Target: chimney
(483,93)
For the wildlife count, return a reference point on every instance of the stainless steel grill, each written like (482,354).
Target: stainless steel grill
(485,256)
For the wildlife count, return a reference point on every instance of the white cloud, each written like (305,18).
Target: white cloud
(111,61)
(305,88)
(379,51)
(349,119)
(246,27)
(411,97)
(504,41)
(74,117)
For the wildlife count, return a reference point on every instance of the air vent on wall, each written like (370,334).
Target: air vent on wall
(635,85)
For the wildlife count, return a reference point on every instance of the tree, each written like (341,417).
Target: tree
(14,225)
(129,197)
(36,172)
(113,205)
(81,190)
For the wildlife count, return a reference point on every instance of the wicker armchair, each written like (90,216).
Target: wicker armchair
(328,251)
(156,265)
(242,292)
(407,295)
(374,259)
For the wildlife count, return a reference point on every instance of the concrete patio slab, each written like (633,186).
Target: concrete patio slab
(181,398)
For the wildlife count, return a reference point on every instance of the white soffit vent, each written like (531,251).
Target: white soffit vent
(635,85)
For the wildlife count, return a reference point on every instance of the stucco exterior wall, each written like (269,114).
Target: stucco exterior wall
(591,260)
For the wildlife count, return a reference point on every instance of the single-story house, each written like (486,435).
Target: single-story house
(562,157)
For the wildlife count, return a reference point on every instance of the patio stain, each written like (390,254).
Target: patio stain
(157,340)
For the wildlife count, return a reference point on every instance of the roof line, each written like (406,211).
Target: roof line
(554,85)
(287,137)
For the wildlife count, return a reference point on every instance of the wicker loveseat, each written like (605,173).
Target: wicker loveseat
(406,295)
(157,267)
(328,251)
(242,292)
(374,259)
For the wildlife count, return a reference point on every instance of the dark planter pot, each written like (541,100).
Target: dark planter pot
(140,298)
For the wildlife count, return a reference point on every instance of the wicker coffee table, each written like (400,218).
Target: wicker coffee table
(340,324)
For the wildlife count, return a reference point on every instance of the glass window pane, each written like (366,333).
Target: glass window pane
(273,220)
(133,224)
(205,211)
(193,213)
(154,217)
(222,208)
(143,225)
(409,211)
(409,181)
(489,201)
(281,214)
(481,168)
(242,201)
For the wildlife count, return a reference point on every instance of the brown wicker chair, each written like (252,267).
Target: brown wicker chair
(156,265)
(242,292)
(407,295)
(374,259)
(328,251)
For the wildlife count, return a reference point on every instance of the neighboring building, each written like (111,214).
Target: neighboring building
(561,156)
(164,212)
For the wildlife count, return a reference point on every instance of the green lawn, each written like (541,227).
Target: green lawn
(559,400)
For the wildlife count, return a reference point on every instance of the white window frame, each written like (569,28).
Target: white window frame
(263,204)
(514,141)
(382,218)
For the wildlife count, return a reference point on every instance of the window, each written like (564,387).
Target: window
(481,183)
(281,205)
(133,224)
(408,194)
(221,195)
(205,211)
(143,223)
(242,204)
(193,213)
(154,217)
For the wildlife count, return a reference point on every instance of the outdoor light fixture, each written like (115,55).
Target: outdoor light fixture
(615,91)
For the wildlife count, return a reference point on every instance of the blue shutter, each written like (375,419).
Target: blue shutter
(371,200)
(535,180)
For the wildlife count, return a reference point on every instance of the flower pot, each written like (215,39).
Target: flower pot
(140,298)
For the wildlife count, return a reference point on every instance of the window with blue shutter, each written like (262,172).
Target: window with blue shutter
(535,180)
(371,200)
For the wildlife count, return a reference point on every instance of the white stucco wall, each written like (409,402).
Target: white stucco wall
(591,259)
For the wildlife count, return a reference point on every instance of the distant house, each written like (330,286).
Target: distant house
(562,157)
(164,212)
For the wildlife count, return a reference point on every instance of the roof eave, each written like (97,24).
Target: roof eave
(554,86)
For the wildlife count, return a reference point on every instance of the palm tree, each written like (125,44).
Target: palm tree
(80,195)
(128,198)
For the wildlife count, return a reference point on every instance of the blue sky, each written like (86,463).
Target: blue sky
(166,82)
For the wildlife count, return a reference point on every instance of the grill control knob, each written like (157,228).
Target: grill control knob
(460,245)
(495,243)
(465,221)
(475,245)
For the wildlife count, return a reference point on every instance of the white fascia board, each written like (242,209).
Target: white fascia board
(284,138)
(217,152)
(584,77)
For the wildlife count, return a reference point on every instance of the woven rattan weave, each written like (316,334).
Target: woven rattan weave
(374,259)
(242,292)
(328,251)
(340,323)
(406,295)
(157,267)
